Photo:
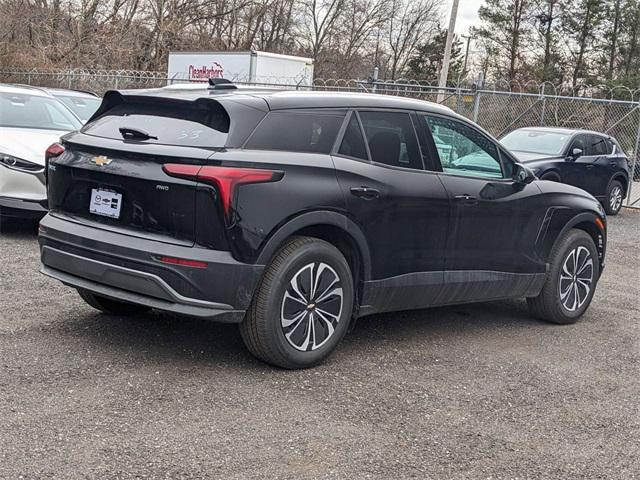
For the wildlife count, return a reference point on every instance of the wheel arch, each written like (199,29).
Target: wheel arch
(585,221)
(622,178)
(552,172)
(334,228)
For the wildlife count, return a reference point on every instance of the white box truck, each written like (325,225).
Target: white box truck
(241,67)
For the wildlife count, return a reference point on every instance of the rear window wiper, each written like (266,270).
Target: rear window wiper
(135,134)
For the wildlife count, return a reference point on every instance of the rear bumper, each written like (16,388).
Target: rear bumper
(128,268)
(21,208)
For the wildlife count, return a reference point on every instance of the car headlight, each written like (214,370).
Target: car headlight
(19,164)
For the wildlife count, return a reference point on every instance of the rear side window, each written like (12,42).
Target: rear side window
(299,131)
(392,139)
(203,123)
(598,145)
(353,142)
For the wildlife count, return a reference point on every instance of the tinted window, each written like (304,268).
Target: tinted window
(463,150)
(597,145)
(580,143)
(202,123)
(32,111)
(391,138)
(609,146)
(353,142)
(303,131)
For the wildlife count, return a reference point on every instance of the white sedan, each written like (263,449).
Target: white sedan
(30,121)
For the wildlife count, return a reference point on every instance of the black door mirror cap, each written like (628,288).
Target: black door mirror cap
(522,174)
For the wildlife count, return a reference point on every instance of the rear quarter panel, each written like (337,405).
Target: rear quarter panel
(309,184)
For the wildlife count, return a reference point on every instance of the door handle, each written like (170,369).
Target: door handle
(466,199)
(589,167)
(367,193)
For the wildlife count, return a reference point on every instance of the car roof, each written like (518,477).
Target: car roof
(23,90)
(290,99)
(562,130)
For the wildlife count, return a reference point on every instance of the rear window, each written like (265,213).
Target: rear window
(203,123)
(300,131)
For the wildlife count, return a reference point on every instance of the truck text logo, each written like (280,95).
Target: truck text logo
(204,72)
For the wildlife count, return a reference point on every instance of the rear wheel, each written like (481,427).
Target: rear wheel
(112,307)
(615,196)
(571,280)
(302,307)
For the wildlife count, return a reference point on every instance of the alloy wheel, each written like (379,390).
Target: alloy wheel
(311,306)
(576,278)
(615,199)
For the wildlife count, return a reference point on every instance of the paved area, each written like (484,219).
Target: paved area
(480,391)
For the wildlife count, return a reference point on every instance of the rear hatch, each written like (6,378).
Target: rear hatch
(111,174)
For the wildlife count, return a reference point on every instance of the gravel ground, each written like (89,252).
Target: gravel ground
(480,391)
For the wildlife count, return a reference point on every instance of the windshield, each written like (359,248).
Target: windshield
(536,141)
(83,107)
(33,111)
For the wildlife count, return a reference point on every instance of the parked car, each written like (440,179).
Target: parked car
(589,160)
(291,213)
(83,104)
(30,121)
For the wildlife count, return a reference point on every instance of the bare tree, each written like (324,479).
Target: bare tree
(411,23)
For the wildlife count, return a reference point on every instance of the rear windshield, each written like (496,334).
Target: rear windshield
(34,111)
(297,131)
(203,123)
(83,107)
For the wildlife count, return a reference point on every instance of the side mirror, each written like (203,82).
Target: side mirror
(522,174)
(575,153)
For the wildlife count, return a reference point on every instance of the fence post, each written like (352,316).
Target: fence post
(634,163)
(476,106)
(543,111)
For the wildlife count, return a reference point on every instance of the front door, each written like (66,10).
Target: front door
(494,220)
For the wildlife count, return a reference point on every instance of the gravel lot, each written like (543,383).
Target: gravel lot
(480,391)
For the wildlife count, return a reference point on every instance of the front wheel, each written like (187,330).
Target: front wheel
(615,196)
(571,280)
(302,307)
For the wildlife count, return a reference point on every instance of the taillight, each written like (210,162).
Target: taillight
(54,151)
(225,179)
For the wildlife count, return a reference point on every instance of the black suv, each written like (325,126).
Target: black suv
(292,213)
(592,161)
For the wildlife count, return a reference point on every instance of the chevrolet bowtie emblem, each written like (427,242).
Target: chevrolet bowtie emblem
(101,160)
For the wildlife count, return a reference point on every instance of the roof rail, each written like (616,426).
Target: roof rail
(221,84)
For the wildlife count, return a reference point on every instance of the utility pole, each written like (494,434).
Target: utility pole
(466,53)
(444,73)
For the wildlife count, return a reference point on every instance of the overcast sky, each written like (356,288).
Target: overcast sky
(467,15)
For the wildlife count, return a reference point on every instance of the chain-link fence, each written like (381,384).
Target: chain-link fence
(499,110)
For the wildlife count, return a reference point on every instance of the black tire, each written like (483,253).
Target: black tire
(263,331)
(552,177)
(548,305)
(615,197)
(112,307)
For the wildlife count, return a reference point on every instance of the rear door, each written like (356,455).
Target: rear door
(402,209)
